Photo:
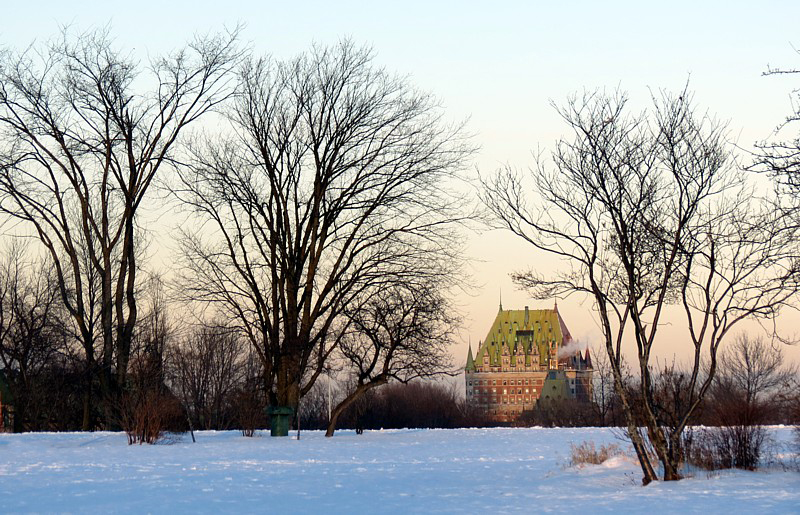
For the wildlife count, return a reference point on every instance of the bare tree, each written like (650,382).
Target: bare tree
(755,369)
(80,149)
(399,334)
(207,368)
(31,338)
(752,388)
(781,156)
(316,405)
(147,407)
(649,211)
(604,397)
(334,185)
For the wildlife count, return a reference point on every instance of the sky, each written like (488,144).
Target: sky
(499,65)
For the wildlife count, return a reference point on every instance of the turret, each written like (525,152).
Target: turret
(470,361)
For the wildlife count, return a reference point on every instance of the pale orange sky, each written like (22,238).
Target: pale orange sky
(499,65)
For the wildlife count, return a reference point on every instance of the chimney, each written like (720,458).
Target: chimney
(526,316)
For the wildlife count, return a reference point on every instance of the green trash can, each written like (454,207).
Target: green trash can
(279,418)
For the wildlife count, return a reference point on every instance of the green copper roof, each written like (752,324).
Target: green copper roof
(524,333)
(555,387)
(470,361)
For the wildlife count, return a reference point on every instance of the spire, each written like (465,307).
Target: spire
(565,335)
(588,359)
(501,299)
(470,360)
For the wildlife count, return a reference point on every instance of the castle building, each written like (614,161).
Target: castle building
(527,356)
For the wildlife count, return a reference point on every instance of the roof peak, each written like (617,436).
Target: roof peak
(470,360)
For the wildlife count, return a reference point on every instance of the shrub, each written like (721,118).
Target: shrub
(250,410)
(418,404)
(587,454)
(146,416)
(726,447)
(560,413)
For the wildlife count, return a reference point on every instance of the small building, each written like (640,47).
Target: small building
(527,355)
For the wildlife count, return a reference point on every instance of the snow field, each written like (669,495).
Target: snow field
(395,471)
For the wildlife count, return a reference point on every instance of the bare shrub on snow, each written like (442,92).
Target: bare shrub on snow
(587,453)
(145,416)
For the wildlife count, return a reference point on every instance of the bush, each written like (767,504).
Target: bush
(794,418)
(560,413)
(587,454)
(250,410)
(726,447)
(419,404)
(146,416)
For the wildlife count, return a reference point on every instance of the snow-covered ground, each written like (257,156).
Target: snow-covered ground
(411,471)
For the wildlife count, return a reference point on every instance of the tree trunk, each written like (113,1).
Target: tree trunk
(87,404)
(20,412)
(648,473)
(287,391)
(339,409)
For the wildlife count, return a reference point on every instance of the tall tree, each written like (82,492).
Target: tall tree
(649,211)
(83,135)
(334,182)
